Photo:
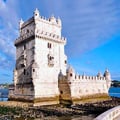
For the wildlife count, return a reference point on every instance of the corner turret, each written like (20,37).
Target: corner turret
(99,75)
(53,19)
(36,13)
(20,23)
(59,22)
(70,73)
(107,75)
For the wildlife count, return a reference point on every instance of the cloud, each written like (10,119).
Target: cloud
(8,28)
(86,23)
(116,76)
(91,24)
(8,12)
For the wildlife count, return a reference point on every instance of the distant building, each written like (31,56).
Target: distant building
(41,74)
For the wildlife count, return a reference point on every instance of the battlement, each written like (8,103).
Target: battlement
(40,34)
(50,36)
(40,27)
(24,37)
(82,77)
(73,76)
(52,20)
(50,25)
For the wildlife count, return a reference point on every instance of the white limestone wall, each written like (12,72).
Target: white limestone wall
(46,83)
(50,26)
(82,86)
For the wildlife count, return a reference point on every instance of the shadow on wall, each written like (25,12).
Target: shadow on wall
(64,90)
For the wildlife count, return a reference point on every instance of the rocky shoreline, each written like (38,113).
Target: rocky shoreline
(54,111)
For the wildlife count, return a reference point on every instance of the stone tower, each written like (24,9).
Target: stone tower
(39,59)
(108,78)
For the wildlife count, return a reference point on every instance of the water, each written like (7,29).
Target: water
(114,91)
(3,94)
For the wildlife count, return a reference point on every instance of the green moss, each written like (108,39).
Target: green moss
(8,110)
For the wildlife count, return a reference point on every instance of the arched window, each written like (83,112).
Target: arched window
(49,45)
(24,47)
(70,74)
(24,71)
(33,70)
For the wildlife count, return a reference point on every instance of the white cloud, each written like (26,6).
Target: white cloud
(8,28)
(88,24)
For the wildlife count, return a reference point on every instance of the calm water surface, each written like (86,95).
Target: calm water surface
(114,91)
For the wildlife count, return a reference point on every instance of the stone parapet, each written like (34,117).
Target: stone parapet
(42,34)
(24,37)
(50,36)
(111,114)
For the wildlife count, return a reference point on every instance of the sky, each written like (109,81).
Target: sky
(92,29)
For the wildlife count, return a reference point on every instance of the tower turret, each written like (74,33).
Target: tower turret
(36,13)
(59,22)
(99,74)
(108,78)
(53,19)
(20,24)
(107,75)
(70,73)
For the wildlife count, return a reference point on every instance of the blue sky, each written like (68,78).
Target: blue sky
(92,28)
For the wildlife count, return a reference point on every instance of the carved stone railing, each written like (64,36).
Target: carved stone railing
(110,114)
(54,37)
